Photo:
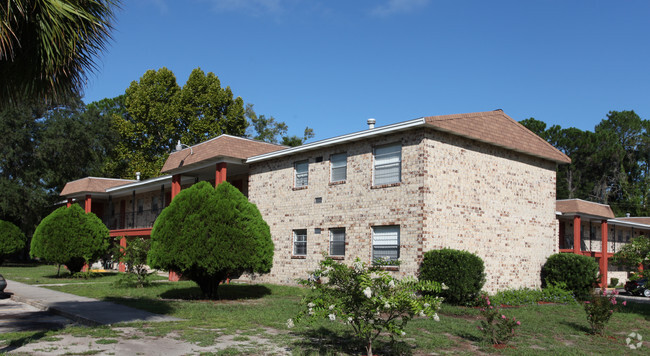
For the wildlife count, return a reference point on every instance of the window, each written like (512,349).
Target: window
(337,242)
(388,162)
(302,173)
(339,164)
(300,242)
(385,242)
(140,206)
(154,204)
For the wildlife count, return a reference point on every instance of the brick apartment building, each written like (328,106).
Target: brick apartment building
(479,182)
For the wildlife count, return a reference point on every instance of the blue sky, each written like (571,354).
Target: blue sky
(330,65)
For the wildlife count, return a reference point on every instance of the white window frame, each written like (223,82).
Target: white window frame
(380,235)
(298,176)
(332,232)
(299,238)
(378,165)
(343,167)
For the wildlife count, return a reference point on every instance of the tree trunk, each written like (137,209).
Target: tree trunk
(369,347)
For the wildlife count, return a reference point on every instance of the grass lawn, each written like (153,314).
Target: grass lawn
(47,274)
(261,311)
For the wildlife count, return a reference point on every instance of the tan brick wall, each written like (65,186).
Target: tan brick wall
(454,193)
(492,202)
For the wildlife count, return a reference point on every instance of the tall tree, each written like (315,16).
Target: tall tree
(47,47)
(273,131)
(44,149)
(157,113)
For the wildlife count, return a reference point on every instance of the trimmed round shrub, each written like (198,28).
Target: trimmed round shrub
(70,237)
(12,239)
(461,271)
(209,234)
(577,272)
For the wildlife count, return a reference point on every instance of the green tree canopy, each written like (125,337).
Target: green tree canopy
(209,234)
(610,165)
(48,46)
(273,131)
(71,237)
(156,112)
(634,254)
(43,149)
(12,239)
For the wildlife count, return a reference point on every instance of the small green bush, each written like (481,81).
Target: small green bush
(461,271)
(71,237)
(613,282)
(12,239)
(527,296)
(577,272)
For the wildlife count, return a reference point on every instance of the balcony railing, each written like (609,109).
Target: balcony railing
(132,220)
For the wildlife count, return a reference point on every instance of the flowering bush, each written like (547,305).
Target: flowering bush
(496,327)
(366,298)
(599,308)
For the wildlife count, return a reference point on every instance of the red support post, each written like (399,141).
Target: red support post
(221,173)
(69,203)
(88,203)
(576,234)
(122,267)
(603,256)
(176,184)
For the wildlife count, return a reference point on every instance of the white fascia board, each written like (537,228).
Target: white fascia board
(628,224)
(140,184)
(340,139)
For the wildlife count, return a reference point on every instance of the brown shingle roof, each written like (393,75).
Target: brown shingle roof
(224,145)
(578,206)
(497,128)
(638,220)
(92,185)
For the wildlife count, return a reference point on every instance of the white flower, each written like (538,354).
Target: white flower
(311,305)
(391,283)
(444,287)
(426,305)
(358,265)
(386,306)
(332,307)
(311,311)
(367,292)
(350,319)
(289,323)
(332,317)
(436,317)
(403,333)
(421,313)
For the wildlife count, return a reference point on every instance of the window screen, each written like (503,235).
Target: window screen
(388,161)
(339,164)
(300,242)
(302,173)
(337,242)
(385,242)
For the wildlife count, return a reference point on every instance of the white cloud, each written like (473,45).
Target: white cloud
(398,7)
(251,7)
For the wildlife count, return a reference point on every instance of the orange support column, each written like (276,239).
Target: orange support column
(176,188)
(176,184)
(88,203)
(221,173)
(603,257)
(122,267)
(576,234)
(69,203)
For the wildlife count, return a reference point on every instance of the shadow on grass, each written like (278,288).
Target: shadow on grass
(324,341)
(17,343)
(226,292)
(81,275)
(632,307)
(576,326)
(155,306)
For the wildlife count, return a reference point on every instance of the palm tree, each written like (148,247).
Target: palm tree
(47,47)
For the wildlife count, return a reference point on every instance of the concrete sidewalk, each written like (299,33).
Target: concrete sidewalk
(84,310)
